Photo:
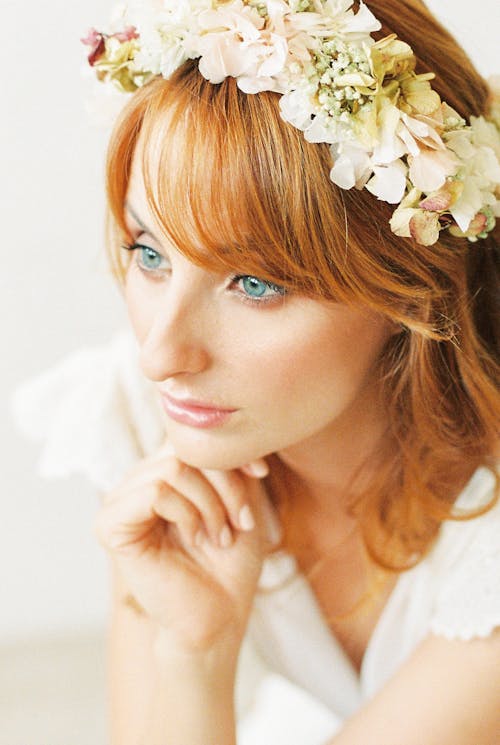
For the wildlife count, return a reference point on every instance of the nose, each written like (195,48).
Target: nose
(176,341)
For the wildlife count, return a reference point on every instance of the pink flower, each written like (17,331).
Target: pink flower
(95,40)
(235,44)
(128,33)
(425,227)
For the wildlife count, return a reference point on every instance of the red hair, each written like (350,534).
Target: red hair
(242,188)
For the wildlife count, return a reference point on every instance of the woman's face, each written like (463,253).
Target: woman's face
(290,368)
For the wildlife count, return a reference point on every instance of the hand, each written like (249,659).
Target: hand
(197,591)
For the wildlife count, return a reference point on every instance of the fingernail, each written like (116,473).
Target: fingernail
(246,519)
(225,538)
(259,469)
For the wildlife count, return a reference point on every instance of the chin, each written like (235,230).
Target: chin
(213,456)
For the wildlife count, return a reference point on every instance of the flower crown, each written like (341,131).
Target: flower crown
(388,130)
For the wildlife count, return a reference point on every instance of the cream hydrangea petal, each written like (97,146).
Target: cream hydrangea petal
(235,17)
(460,143)
(400,221)
(424,227)
(430,168)
(467,207)
(406,137)
(296,108)
(256,84)
(216,63)
(443,198)
(390,147)
(351,168)
(342,174)
(321,130)
(486,165)
(273,55)
(363,22)
(389,182)
(486,133)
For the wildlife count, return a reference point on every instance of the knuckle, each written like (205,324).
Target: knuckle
(192,520)
(159,488)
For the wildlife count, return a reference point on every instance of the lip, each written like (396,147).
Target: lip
(195,413)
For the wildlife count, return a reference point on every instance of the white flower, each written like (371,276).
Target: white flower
(323,128)
(296,107)
(346,22)
(234,43)
(485,134)
(165,28)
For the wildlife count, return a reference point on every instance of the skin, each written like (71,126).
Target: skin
(301,377)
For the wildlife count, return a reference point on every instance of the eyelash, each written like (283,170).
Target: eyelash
(279,289)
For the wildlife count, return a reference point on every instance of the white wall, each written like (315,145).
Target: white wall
(55,294)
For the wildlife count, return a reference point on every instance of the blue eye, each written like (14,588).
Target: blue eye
(258,290)
(254,287)
(148,259)
(254,291)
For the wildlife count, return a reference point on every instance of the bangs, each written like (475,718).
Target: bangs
(227,181)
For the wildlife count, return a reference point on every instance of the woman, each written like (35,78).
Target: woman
(327,370)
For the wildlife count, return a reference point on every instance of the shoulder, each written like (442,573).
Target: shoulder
(93,410)
(465,564)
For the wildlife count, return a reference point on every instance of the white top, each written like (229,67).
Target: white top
(96,414)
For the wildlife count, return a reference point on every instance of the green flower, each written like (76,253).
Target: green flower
(116,64)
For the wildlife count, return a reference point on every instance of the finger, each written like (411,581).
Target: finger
(232,489)
(133,518)
(191,483)
(138,472)
(266,513)
(177,510)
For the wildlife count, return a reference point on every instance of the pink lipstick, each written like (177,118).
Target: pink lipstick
(194,413)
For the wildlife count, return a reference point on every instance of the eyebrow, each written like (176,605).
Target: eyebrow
(137,219)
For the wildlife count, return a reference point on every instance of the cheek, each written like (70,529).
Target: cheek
(139,308)
(324,363)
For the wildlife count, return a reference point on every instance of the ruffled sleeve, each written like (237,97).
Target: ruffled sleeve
(466,567)
(94,412)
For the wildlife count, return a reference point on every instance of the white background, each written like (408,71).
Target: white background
(56,294)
